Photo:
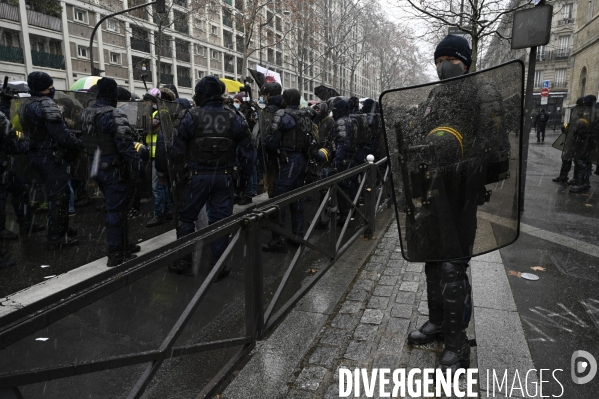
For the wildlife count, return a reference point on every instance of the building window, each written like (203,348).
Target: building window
(567,11)
(215,55)
(538,78)
(199,50)
(199,25)
(201,74)
(83,52)
(214,30)
(112,25)
(115,58)
(80,15)
(561,77)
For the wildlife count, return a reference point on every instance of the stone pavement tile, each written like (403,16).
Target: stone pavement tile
(423,308)
(402,311)
(421,359)
(365,332)
(378,259)
(383,290)
(351,307)
(370,275)
(407,276)
(398,326)
(344,321)
(295,394)
(377,267)
(382,252)
(392,271)
(405,297)
(395,263)
(357,295)
(324,355)
(388,280)
(332,391)
(364,284)
(493,257)
(396,256)
(372,316)
(378,302)
(386,361)
(310,378)
(408,286)
(333,336)
(415,268)
(393,240)
(391,344)
(357,351)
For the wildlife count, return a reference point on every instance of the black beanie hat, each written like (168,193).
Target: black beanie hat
(342,107)
(209,86)
(39,81)
(590,100)
(455,46)
(107,89)
(354,103)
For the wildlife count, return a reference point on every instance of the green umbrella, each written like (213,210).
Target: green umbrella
(85,83)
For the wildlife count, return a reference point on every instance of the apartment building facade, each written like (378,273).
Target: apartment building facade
(584,73)
(553,62)
(180,47)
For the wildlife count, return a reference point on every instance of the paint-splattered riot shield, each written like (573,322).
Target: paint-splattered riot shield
(455,152)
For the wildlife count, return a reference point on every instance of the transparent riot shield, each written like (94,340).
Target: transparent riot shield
(454,149)
(140,116)
(167,115)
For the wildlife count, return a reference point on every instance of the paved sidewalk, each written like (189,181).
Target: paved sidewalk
(369,325)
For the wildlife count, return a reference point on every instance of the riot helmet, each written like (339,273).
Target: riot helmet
(291,97)
(272,89)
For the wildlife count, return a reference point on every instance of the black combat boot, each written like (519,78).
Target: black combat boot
(245,200)
(277,244)
(456,352)
(433,328)
(119,257)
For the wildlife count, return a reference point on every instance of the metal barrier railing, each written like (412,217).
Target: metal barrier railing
(244,228)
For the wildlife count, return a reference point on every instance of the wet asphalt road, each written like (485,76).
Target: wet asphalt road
(139,317)
(560,311)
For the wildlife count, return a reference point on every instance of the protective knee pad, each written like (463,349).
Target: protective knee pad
(454,291)
(433,292)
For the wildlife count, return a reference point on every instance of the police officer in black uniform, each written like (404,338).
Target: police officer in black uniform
(51,149)
(271,95)
(204,151)
(288,142)
(541,122)
(114,157)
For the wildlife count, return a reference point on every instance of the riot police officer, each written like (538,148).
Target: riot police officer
(344,140)
(459,122)
(204,152)
(288,142)
(363,129)
(271,95)
(109,144)
(52,147)
(373,117)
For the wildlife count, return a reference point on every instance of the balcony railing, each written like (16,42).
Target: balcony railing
(11,54)
(9,12)
(542,56)
(140,45)
(183,56)
(44,21)
(137,75)
(165,51)
(560,83)
(565,21)
(182,27)
(184,81)
(166,78)
(47,60)
(561,54)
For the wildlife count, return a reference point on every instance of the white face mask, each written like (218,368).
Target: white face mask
(262,100)
(236,105)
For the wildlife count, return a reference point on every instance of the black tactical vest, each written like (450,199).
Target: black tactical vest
(363,133)
(297,139)
(213,144)
(32,131)
(92,134)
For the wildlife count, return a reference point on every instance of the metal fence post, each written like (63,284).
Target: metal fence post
(370,196)
(254,292)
